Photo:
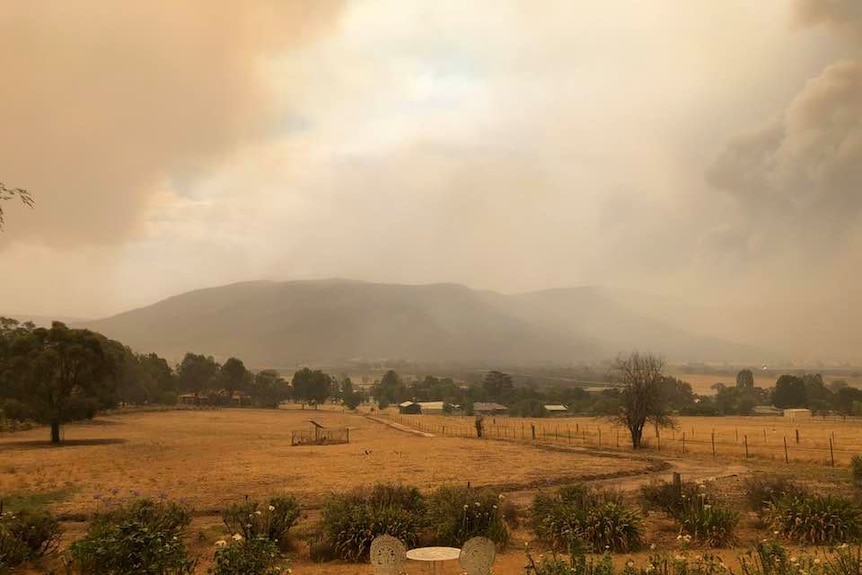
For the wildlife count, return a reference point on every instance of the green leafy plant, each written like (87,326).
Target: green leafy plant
(816,519)
(26,535)
(577,513)
(144,537)
(763,490)
(458,513)
(247,557)
(706,523)
(352,520)
(271,521)
(665,496)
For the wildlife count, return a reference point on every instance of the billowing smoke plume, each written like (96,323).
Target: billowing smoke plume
(102,102)
(797,179)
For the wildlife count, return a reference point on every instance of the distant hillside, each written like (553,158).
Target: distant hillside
(284,323)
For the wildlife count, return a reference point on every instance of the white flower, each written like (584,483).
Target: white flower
(272,507)
(630,564)
(220,543)
(237,537)
(652,547)
(257,512)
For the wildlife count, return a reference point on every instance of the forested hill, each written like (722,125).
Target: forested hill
(284,323)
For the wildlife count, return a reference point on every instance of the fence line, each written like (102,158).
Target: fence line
(789,445)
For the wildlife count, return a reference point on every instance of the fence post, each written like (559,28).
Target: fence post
(683,442)
(745,439)
(533,430)
(797,437)
(600,437)
(713,444)
(831,452)
(348,435)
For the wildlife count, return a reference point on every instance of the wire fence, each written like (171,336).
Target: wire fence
(320,436)
(827,441)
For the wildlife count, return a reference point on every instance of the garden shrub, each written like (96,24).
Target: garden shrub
(708,524)
(664,496)
(816,519)
(27,534)
(763,490)
(352,520)
(144,537)
(458,513)
(577,512)
(271,521)
(259,556)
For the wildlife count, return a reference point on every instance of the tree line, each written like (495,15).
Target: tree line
(60,374)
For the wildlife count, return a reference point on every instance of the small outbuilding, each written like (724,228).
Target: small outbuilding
(431,407)
(797,413)
(488,408)
(556,409)
(408,407)
(765,410)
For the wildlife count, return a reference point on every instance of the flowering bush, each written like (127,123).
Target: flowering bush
(458,513)
(708,524)
(271,521)
(241,556)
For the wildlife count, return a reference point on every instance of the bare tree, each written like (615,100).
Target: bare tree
(8,194)
(642,398)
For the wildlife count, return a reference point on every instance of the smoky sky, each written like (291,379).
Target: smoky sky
(699,150)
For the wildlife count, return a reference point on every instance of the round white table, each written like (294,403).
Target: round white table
(434,555)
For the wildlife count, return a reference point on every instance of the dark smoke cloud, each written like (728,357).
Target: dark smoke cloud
(809,162)
(103,101)
(845,15)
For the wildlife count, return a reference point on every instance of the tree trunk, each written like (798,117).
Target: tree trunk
(55,431)
(637,434)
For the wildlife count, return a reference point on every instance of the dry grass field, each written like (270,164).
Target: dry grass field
(764,436)
(210,458)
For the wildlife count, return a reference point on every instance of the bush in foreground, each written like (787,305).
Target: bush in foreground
(458,513)
(26,535)
(816,519)
(141,537)
(761,491)
(352,520)
(577,513)
(271,521)
(247,557)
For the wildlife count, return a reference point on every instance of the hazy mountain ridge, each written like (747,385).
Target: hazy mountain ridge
(284,323)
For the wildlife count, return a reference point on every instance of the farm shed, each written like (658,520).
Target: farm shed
(797,413)
(556,409)
(488,408)
(430,407)
(765,410)
(408,407)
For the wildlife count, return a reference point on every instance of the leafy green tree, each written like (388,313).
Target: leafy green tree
(196,372)
(389,390)
(58,373)
(641,397)
(232,375)
(10,193)
(269,388)
(311,386)
(350,397)
(790,391)
(745,379)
